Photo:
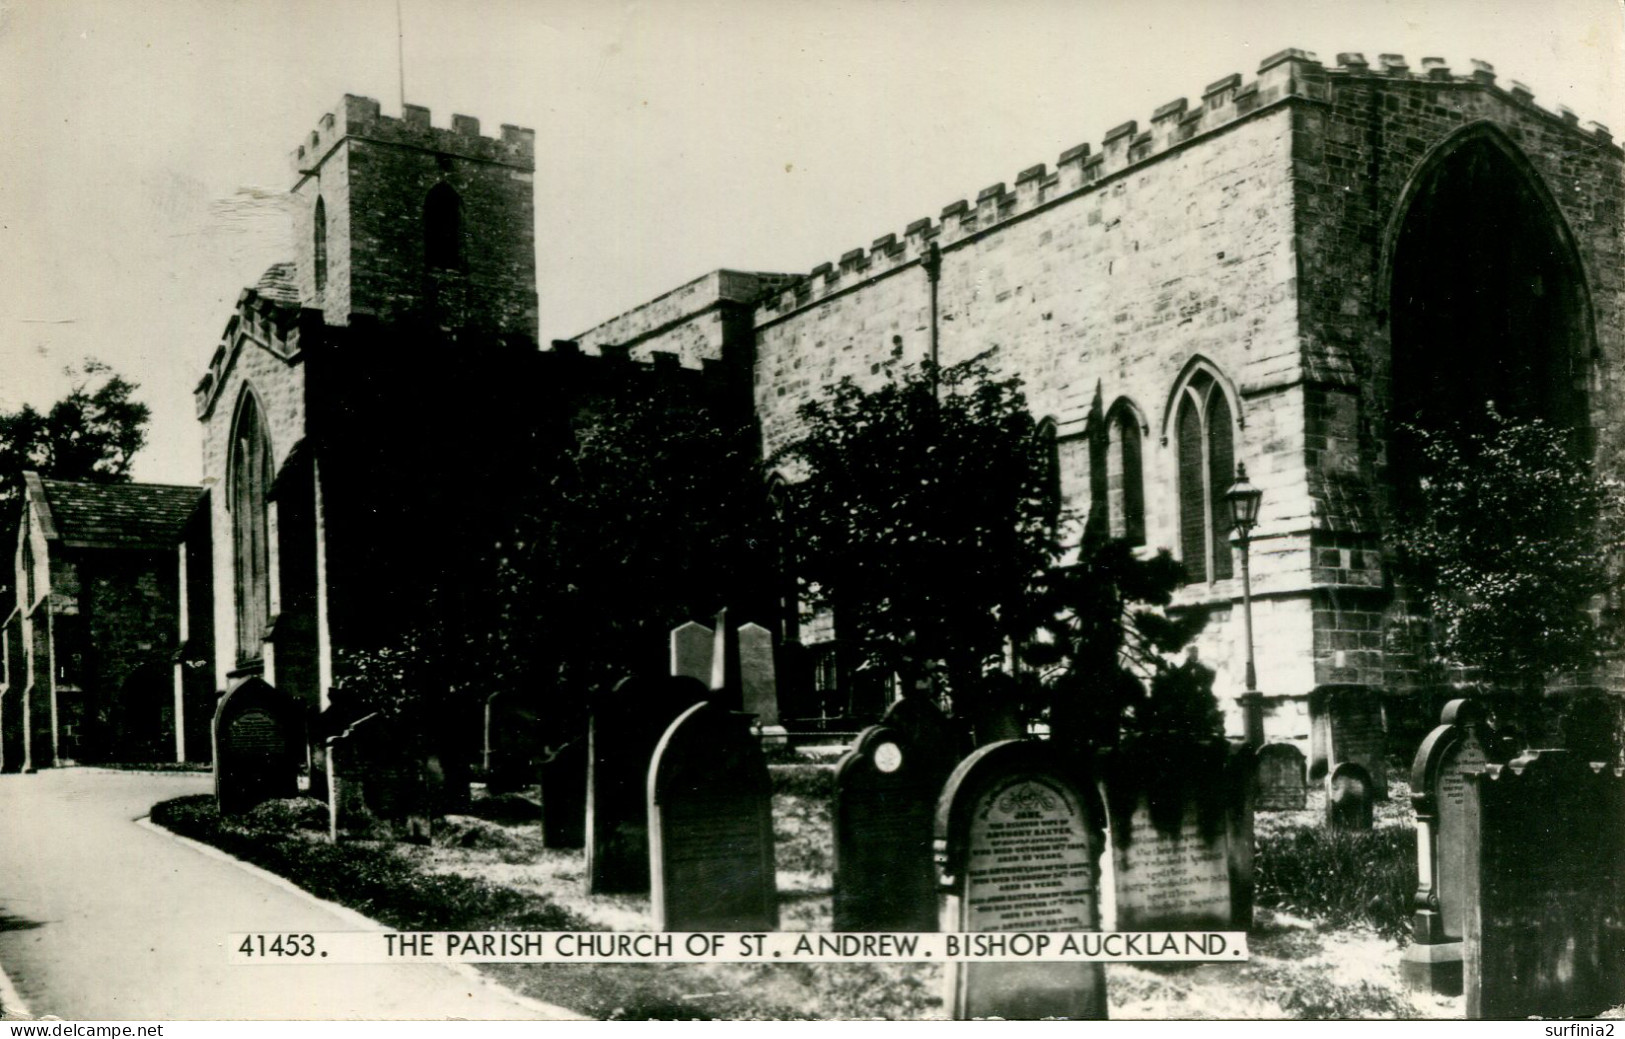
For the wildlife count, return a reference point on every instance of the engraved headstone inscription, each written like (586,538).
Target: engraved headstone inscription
(1348,798)
(1017,843)
(1544,906)
(625,728)
(255,747)
(1460,744)
(691,651)
(1281,783)
(886,791)
(710,826)
(1181,835)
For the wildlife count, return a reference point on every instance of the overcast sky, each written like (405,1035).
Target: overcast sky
(143,143)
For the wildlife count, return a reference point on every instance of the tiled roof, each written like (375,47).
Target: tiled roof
(120,515)
(279,283)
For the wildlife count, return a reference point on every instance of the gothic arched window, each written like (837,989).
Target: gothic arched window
(320,233)
(1125,476)
(250,476)
(1206,452)
(1049,444)
(443,229)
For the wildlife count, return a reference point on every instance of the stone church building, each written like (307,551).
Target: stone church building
(1274,274)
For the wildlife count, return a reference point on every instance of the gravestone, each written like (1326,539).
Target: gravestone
(384,775)
(1347,727)
(1181,835)
(564,794)
(1281,783)
(624,730)
(1017,843)
(1348,798)
(727,689)
(691,652)
(1460,744)
(757,680)
(256,747)
(1544,907)
(886,791)
(710,826)
(512,742)
(925,727)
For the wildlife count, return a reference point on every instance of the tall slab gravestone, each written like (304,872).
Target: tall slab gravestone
(1181,835)
(256,746)
(711,860)
(691,646)
(1017,842)
(1282,786)
(1544,906)
(625,728)
(1346,727)
(1460,744)
(758,680)
(886,791)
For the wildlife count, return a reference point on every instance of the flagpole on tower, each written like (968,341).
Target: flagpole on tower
(400,52)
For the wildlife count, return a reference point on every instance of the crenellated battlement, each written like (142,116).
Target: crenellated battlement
(361,117)
(1288,74)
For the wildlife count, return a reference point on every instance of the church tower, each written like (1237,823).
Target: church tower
(406,222)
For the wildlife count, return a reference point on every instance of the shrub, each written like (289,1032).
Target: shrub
(377,881)
(1341,877)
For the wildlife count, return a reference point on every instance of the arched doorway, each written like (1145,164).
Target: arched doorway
(1487,300)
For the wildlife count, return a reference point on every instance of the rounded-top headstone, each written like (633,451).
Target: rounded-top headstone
(255,746)
(710,826)
(1018,840)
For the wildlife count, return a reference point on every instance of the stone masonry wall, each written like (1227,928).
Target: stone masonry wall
(1107,281)
(1360,142)
(373,173)
(278,383)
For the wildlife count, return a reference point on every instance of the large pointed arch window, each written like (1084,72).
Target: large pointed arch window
(319,244)
(443,228)
(250,476)
(1203,428)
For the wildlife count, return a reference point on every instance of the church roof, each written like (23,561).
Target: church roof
(279,284)
(118,515)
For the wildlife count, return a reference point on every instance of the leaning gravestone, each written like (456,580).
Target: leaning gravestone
(1018,841)
(1439,795)
(1544,920)
(1181,835)
(711,827)
(691,651)
(564,794)
(886,791)
(1281,783)
(1348,798)
(1347,727)
(625,728)
(255,747)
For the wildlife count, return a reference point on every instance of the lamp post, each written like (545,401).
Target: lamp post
(1244,499)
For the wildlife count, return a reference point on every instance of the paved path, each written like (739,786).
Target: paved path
(102,919)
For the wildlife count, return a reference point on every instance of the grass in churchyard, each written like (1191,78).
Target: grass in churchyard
(1325,944)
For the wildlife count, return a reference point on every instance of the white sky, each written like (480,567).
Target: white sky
(143,143)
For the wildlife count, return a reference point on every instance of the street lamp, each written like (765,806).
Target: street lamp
(1244,499)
